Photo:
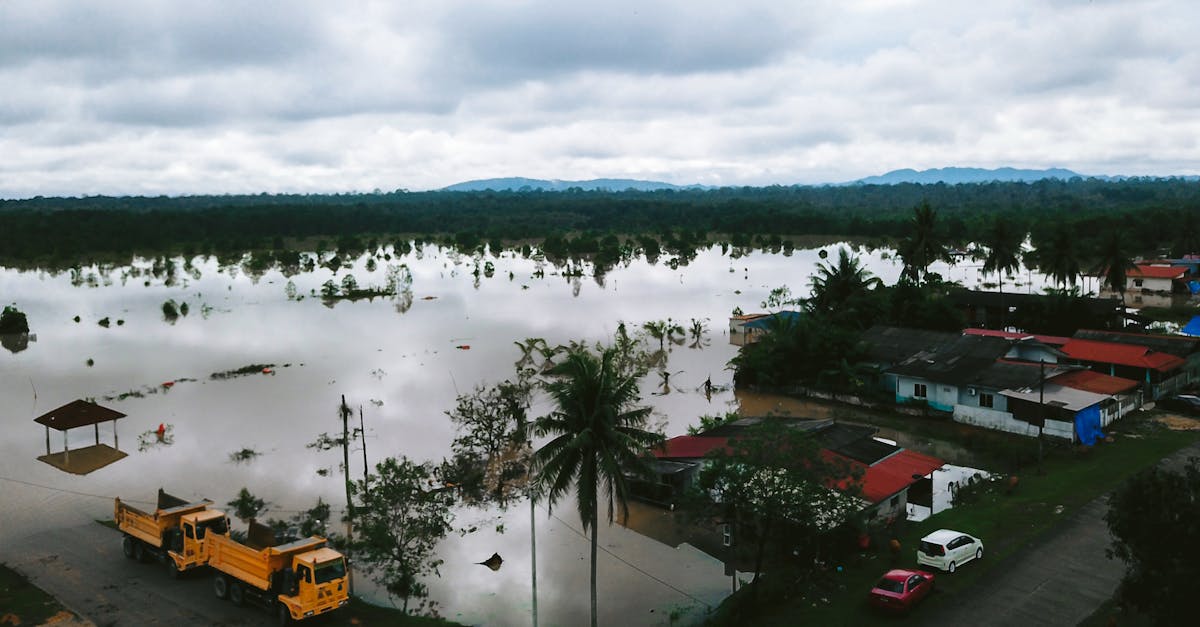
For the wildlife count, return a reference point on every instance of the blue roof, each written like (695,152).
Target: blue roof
(1192,328)
(765,321)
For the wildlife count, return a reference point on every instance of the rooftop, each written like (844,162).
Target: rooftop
(1121,355)
(958,363)
(1176,345)
(1056,395)
(1157,272)
(1092,381)
(79,413)
(1049,340)
(891,345)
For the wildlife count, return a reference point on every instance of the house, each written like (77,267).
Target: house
(1126,393)
(1048,340)
(886,346)
(1187,348)
(749,328)
(983,403)
(887,471)
(942,377)
(993,310)
(1152,284)
(1067,413)
(1158,372)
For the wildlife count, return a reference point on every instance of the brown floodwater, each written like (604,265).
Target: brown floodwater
(399,359)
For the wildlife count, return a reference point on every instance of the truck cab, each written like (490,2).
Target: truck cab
(321,584)
(189,550)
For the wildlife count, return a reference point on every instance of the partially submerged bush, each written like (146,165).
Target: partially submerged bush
(12,320)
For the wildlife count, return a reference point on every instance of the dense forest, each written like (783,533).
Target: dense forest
(1153,215)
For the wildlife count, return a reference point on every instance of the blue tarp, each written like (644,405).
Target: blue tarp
(1087,425)
(1194,287)
(1192,327)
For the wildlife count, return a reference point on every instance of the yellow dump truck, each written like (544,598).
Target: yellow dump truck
(176,534)
(296,580)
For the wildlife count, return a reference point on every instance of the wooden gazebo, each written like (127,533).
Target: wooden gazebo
(81,413)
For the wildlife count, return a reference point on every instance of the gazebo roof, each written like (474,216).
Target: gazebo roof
(78,413)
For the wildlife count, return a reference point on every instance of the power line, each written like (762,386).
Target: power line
(625,562)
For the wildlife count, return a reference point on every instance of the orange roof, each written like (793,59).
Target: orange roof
(1091,381)
(1049,340)
(690,447)
(1157,272)
(1121,355)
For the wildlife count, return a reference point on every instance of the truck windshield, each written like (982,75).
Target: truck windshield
(217,525)
(329,571)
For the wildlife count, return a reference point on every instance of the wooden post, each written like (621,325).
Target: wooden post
(116,444)
(47,440)
(96,425)
(66,448)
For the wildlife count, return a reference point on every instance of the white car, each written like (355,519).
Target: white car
(947,550)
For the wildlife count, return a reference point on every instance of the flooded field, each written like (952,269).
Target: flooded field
(284,357)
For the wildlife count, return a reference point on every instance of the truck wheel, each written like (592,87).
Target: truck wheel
(173,568)
(237,594)
(139,552)
(282,616)
(221,586)
(127,546)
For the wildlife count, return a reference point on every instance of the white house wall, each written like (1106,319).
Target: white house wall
(1004,421)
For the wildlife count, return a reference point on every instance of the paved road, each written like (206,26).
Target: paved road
(84,568)
(1059,580)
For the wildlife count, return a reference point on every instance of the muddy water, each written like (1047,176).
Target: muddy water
(400,362)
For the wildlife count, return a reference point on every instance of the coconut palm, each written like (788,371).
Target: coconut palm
(1003,243)
(1115,263)
(1057,257)
(924,245)
(597,436)
(835,286)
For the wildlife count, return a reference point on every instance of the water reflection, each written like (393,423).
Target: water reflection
(252,316)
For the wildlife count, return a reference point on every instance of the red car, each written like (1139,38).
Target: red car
(899,590)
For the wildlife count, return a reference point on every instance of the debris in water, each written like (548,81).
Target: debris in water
(243,371)
(164,435)
(377,402)
(268,371)
(463,347)
(243,456)
(429,298)
(494,562)
(168,384)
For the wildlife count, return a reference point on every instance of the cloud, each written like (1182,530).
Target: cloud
(151,97)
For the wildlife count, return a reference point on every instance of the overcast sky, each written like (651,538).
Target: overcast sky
(127,97)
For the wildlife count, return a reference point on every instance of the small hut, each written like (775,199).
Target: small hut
(76,414)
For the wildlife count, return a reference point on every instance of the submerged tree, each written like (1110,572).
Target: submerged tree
(1058,258)
(597,438)
(841,288)
(1115,263)
(924,245)
(1003,243)
(401,512)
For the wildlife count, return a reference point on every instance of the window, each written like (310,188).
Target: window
(305,574)
(895,501)
(986,400)
(187,530)
(1137,282)
(919,390)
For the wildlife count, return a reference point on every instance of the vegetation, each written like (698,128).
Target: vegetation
(246,507)
(1154,519)
(1005,520)
(597,437)
(491,449)
(772,491)
(400,514)
(22,603)
(64,232)
(12,320)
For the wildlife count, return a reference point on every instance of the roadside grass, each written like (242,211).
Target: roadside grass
(22,603)
(1005,521)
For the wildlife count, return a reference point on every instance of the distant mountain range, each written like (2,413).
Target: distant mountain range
(953,176)
(517,184)
(949,176)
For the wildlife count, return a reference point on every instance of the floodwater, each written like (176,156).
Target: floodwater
(399,359)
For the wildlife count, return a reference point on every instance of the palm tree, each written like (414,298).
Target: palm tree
(834,287)
(1115,263)
(1003,243)
(597,437)
(924,245)
(1057,257)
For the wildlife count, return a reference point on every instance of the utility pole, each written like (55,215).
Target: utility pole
(362,430)
(1041,410)
(345,412)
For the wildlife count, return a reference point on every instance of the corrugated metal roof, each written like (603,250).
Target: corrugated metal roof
(1056,395)
(1172,344)
(690,447)
(79,413)
(890,345)
(1157,272)
(1049,340)
(1121,355)
(958,363)
(1092,381)
(895,473)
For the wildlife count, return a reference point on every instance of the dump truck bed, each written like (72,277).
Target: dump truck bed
(149,527)
(255,566)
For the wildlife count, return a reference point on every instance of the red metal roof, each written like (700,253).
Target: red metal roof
(1157,272)
(1091,381)
(1052,340)
(690,447)
(891,474)
(1121,355)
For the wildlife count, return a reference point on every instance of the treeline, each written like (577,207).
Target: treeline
(1151,213)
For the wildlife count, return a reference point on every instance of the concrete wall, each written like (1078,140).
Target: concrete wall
(999,403)
(1004,421)
(938,396)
